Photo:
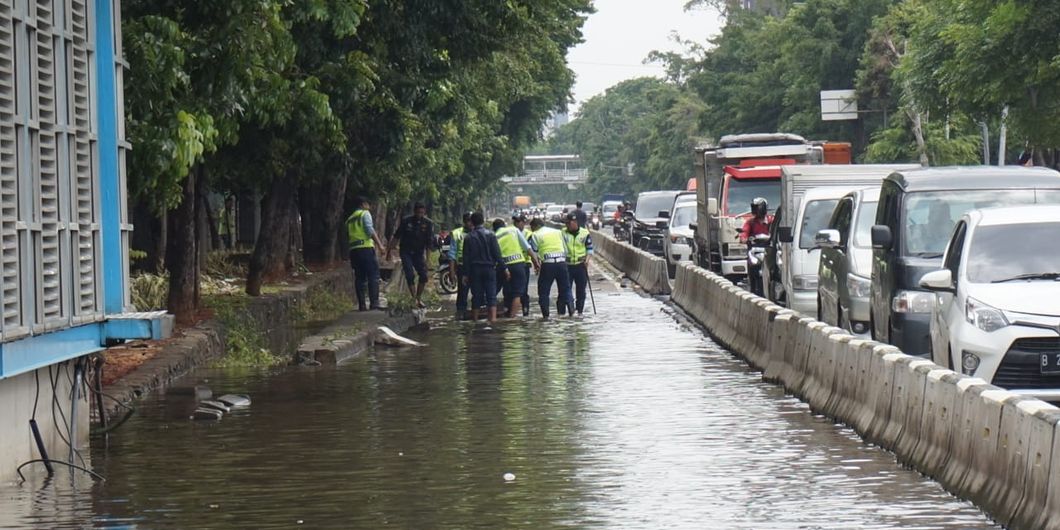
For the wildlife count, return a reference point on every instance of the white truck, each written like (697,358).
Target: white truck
(808,194)
(728,176)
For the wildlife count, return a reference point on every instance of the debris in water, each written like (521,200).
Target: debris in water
(203,413)
(235,400)
(388,337)
(211,404)
(508,477)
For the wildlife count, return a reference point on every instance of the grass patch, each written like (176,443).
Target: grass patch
(322,304)
(245,345)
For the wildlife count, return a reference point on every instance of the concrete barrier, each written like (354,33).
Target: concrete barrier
(648,271)
(984,444)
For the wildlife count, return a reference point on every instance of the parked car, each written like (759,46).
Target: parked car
(845,270)
(914,219)
(996,314)
(678,243)
(651,214)
(554,213)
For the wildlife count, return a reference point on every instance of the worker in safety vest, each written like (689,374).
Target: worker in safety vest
(456,264)
(363,242)
(579,250)
(514,247)
(519,221)
(552,251)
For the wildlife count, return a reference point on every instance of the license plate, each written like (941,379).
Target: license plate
(1050,363)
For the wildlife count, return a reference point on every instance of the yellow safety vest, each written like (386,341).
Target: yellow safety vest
(457,238)
(359,237)
(508,240)
(526,253)
(550,245)
(576,247)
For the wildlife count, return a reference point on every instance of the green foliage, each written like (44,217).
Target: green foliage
(322,304)
(245,345)
(148,292)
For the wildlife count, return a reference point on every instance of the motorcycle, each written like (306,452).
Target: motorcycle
(623,229)
(594,221)
(447,282)
(756,257)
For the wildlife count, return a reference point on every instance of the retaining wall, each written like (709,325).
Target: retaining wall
(984,444)
(642,267)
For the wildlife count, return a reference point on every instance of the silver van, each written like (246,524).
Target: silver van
(845,272)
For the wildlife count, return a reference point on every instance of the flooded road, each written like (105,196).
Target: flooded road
(628,419)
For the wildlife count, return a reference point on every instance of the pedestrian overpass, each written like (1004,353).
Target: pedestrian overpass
(549,170)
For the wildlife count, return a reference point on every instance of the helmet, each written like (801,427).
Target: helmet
(759,207)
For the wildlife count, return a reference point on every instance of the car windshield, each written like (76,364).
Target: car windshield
(554,209)
(1001,252)
(742,192)
(649,206)
(684,215)
(863,225)
(814,219)
(610,207)
(930,216)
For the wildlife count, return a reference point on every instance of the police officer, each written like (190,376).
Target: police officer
(579,248)
(552,251)
(363,243)
(514,249)
(519,221)
(456,264)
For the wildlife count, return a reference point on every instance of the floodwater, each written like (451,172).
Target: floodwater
(628,419)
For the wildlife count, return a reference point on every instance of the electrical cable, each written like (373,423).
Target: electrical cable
(55,421)
(36,397)
(34,461)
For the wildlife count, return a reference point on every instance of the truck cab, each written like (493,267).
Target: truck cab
(731,174)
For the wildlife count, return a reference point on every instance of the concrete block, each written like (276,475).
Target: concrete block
(1008,472)
(1032,511)
(846,384)
(978,455)
(780,332)
(881,392)
(907,405)
(798,355)
(937,423)
(824,398)
(870,358)
(965,406)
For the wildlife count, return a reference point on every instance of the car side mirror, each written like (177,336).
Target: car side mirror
(827,239)
(693,226)
(785,234)
(882,239)
(662,224)
(712,206)
(665,214)
(940,281)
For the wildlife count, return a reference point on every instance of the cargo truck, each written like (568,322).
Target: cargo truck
(731,174)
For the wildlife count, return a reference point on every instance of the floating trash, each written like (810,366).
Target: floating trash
(388,337)
(508,477)
(211,404)
(235,400)
(205,414)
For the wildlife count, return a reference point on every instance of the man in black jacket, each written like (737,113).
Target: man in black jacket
(482,261)
(414,238)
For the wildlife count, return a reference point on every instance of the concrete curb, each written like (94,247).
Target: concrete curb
(984,444)
(646,270)
(335,344)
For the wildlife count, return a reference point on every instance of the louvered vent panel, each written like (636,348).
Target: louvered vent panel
(10,292)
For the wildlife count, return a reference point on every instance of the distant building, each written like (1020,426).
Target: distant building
(766,7)
(555,121)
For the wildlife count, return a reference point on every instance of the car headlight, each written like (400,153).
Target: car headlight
(806,282)
(913,302)
(984,317)
(858,287)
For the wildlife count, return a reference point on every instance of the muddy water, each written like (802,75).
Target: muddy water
(624,420)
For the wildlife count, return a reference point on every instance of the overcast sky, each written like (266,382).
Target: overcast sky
(619,36)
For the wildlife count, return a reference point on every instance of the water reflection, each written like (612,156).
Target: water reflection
(623,420)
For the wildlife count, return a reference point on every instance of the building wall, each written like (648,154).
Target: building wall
(16,441)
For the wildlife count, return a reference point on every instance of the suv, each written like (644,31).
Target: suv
(916,214)
(996,315)
(652,214)
(678,244)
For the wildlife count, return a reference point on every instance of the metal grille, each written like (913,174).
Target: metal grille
(1020,369)
(10,290)
(50,273)
(85,216)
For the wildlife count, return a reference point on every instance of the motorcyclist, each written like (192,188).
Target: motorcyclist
(757,225)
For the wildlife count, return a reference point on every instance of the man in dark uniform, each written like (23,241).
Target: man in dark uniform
(482,260)
(414,236)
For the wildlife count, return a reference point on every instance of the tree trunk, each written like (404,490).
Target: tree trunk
(182,253)
(1002,143)
(270,250)
(149,237)
(203,220)
(918,133)
(985,131)
(321,206)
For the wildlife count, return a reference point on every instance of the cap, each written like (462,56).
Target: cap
(572,217)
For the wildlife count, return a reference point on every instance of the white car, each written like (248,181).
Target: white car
(679,240)
(997,299)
